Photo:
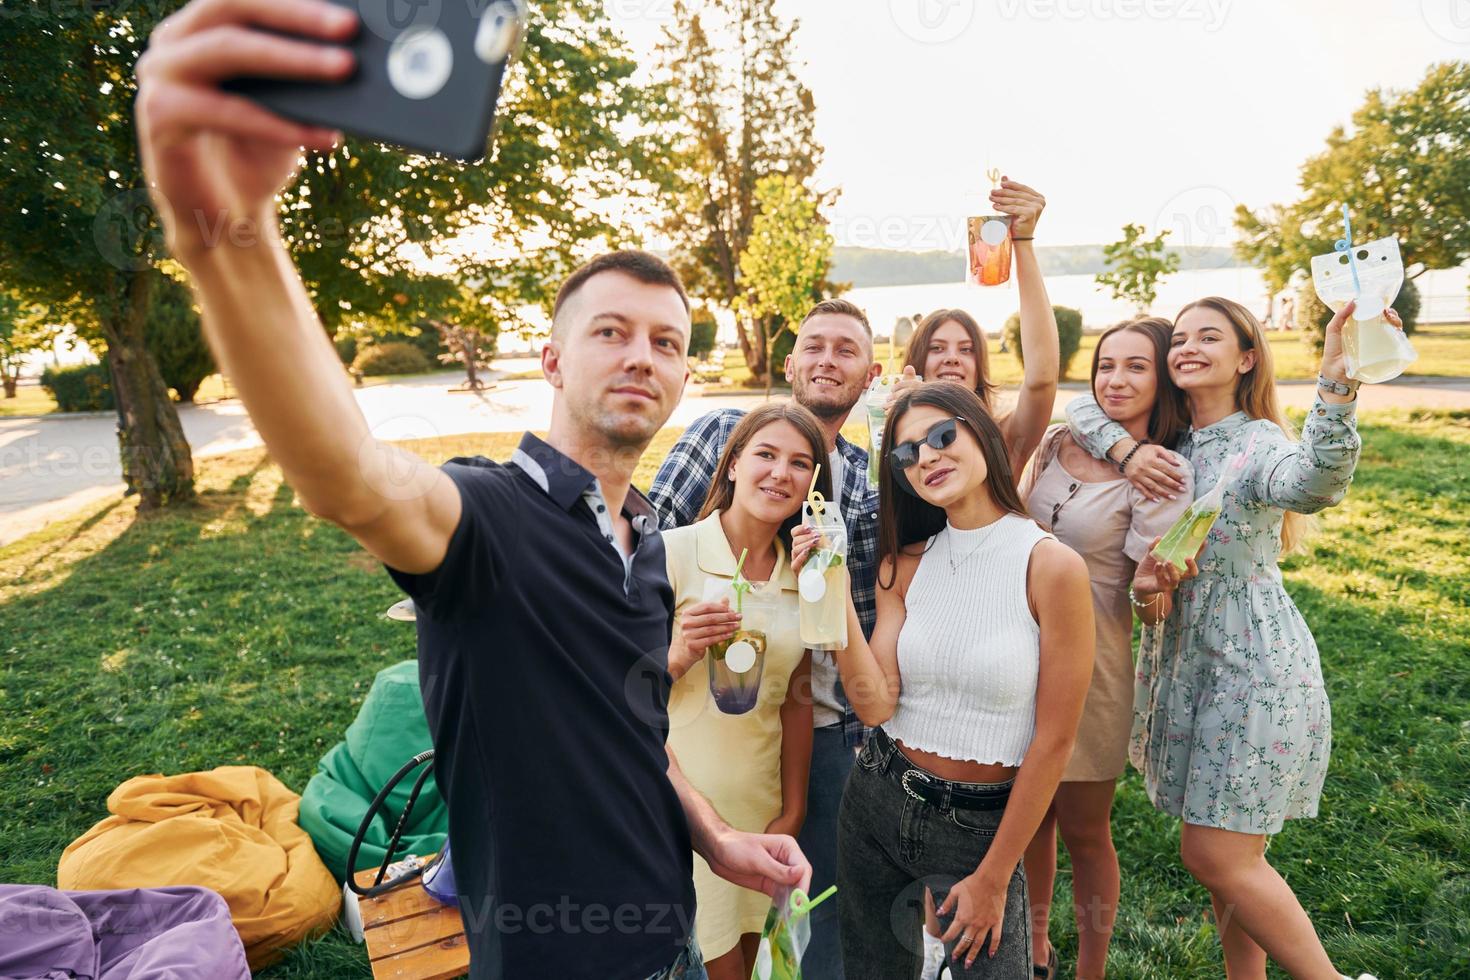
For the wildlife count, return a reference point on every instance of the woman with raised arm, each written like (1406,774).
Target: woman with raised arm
(1232,726)
(976,672)
(949,345)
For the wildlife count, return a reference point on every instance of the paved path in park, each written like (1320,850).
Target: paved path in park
(53,465)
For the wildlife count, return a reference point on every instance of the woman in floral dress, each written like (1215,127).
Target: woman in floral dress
(1232,728)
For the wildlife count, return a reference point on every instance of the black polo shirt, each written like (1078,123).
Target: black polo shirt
(543,661)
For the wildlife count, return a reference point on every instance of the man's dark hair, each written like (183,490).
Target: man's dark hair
(644,266)
(840,307)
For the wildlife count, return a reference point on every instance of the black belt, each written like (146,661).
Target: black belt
(939,793)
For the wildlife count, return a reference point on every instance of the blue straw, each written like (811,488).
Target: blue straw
(1345,244)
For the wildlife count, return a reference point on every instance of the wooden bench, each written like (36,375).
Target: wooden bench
(410,936)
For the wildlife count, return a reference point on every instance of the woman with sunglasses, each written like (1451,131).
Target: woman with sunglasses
(976,672)
(1094,510)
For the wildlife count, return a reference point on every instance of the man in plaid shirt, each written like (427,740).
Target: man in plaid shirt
(829,368)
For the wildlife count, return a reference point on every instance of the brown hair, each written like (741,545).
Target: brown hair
(722,489)
(904,517)
(919,349)
(646,267)
(839,307)
(1255,393)
(1170,416)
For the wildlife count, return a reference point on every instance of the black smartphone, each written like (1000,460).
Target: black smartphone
(428,75)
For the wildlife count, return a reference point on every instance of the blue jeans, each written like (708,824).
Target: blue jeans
(689,965)
(895,844)
(831,763)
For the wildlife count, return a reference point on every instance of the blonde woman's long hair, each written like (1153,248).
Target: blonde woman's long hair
(1255,395)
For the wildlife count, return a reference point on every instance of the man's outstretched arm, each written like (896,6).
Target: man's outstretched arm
(215,162)
(267,339)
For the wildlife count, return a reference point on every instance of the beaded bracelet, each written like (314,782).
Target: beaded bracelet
(1133,598)
(1123,464)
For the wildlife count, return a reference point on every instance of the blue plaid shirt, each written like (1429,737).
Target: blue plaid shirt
(683,481)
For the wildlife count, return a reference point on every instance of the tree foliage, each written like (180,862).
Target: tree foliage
(24,329)
(743,114)
(1135,266)
(1402,168)
(175,340)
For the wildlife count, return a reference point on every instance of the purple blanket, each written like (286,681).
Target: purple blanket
(128,934)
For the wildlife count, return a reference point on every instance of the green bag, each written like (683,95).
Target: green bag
(388,731)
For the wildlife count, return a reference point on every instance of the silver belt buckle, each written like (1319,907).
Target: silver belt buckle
(904,782)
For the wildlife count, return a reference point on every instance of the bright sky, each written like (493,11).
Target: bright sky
(1162,112)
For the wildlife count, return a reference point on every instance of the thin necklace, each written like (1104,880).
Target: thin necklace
(954,566)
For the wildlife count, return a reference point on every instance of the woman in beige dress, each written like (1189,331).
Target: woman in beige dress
(1093,509)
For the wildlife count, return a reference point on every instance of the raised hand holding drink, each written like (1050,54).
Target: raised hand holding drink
(1372,273)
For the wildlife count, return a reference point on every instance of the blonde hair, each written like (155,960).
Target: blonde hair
(1255,395)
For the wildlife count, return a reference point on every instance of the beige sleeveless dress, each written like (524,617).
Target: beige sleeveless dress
(1110,525)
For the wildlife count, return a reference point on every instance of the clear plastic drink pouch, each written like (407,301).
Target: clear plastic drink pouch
(874,403)
(823,583)
(787,933)
(1372,273)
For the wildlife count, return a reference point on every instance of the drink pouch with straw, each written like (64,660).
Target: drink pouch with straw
(822,584)
(787,933)
(735,665)
(1372,274)
(1183,540)
(875,403)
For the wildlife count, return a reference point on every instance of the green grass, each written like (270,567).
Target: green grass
(242,630)
(28,400)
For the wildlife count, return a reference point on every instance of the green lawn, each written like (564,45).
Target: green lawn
(242,630)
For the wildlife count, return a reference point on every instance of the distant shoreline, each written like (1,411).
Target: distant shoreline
(873,267)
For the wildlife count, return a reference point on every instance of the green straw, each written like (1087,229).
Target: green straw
(739,583)
(801,905)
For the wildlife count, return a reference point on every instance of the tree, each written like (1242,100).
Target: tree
(24,329)
(703,329)
(1135,266)
(176,341)
(373,230)
(76,228)
(785,259)
(1403,169)
(737,113)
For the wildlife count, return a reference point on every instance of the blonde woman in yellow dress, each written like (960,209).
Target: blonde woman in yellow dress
(751,766)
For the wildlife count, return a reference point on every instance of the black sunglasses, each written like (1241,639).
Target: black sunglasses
(941,435)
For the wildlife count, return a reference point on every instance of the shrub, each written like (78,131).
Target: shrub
(781,347)
(702,333)
(80,387)
(346,348)
(1312,315)
(395,357)
(175,341)
(1069,332)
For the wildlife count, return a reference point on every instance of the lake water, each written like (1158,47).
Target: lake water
(1443,295)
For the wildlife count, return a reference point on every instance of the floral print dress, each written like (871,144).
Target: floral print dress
(1232,728)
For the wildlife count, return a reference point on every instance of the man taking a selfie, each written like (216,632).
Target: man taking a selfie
(543,606)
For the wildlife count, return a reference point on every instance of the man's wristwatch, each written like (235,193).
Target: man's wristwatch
(1338,387)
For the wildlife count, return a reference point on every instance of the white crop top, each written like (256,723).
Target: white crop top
(970,649)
